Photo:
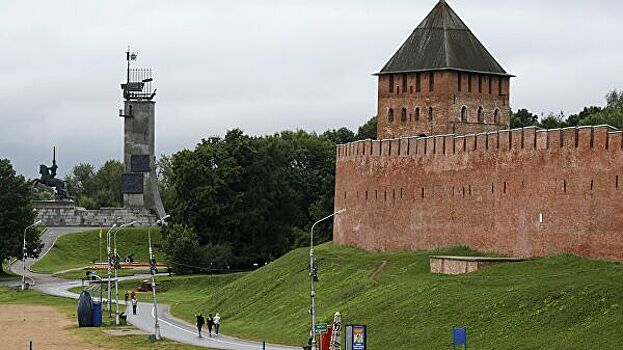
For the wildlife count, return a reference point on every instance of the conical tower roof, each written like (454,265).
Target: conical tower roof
(442,42)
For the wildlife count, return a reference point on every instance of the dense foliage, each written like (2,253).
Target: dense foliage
(240,200)
(611,114)
(16,214)
(95,189)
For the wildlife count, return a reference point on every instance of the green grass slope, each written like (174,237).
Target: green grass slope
(82,248)
(561,302)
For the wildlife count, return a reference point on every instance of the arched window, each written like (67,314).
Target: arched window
(390,115)
(496,116)
(403,115)
(481,115)
(430,113)
(417,113)
(463,114)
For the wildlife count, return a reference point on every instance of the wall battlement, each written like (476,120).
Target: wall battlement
(530,138)
(522,192)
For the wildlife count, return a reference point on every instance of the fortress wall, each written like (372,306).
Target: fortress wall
(524,192)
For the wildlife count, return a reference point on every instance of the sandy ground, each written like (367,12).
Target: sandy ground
(47,328)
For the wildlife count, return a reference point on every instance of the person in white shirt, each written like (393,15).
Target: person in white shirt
(217,322)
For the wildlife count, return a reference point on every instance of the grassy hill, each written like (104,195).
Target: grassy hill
(561,302)
(82,248)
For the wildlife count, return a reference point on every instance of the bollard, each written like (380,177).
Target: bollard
(263,345)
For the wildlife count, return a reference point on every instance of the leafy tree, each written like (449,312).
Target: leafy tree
(578,119)
(367,130)
(16,214)
(339,136)
(523,118)
(95,189)
(181,246)
(553,121)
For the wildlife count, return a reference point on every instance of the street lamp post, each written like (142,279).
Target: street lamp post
(312,275)
(109,252)
(25,255)
(114,236)
(152,263)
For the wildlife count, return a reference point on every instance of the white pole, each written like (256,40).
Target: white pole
(24,255)
(108,251)
(116,279)
(153,279)
(312,293)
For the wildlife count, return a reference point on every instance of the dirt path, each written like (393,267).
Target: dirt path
(47,328)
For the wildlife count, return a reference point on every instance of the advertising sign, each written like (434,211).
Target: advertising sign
(359,337)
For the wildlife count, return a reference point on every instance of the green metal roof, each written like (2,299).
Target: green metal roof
(442,42)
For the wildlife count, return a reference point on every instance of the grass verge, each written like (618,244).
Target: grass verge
(83,248)
(561,302)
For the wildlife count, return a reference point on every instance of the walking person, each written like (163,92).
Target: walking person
(217,323)
(200,322)
(210,324)
(134,305)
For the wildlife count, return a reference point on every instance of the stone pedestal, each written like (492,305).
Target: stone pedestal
(65,213)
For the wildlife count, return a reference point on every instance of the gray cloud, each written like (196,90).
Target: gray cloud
(264,66)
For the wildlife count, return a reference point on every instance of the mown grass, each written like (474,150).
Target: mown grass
(82,248)
(94,336)
(561,302)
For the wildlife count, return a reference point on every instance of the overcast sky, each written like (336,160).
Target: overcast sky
(264,66)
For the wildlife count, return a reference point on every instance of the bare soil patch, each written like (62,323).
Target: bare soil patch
(47,328)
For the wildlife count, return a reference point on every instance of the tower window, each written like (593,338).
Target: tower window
(430,113)
(391,83)
(481,115)
(500,86)
(469,82)
(496,116)
(418,82)
(404,83)
(459,83)
(417,113)
(410,89)
(431,81)
(479,84)
(463,114)
(403,115)
(490,83)
(390,115)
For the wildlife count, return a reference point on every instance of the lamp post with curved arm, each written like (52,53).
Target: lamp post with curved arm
(312,276)
(25,255)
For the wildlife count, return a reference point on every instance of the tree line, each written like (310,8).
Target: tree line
(611,114)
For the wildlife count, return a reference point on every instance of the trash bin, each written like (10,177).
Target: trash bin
(123,319)
(96,315)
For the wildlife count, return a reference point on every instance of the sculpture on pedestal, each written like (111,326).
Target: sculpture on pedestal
(48,178)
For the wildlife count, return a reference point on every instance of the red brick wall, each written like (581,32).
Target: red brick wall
(446,101)
(485,191)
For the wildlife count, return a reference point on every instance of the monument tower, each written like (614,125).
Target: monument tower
(139,182)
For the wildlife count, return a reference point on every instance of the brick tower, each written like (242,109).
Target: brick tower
(442,80)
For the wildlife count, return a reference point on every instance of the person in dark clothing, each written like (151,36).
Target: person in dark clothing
(210,324)
(200,322)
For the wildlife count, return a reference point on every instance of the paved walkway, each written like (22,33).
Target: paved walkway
(170,327)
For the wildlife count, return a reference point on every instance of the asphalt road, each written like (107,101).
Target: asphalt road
(170,327)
